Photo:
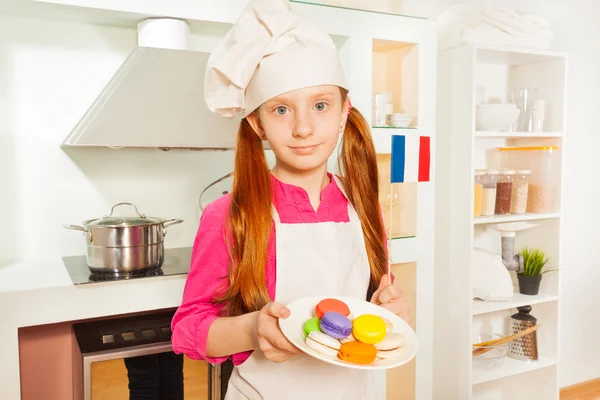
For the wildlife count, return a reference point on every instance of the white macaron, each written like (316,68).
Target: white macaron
(389,327)
(322,343)
(390,346)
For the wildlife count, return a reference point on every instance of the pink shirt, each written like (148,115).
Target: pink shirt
(210,262)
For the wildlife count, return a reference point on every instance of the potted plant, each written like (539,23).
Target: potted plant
(530,277)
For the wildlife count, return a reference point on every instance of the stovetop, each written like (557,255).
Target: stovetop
(177,262)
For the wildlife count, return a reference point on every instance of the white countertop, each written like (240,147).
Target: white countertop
(41,292)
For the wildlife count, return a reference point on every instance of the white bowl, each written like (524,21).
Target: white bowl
(496,117)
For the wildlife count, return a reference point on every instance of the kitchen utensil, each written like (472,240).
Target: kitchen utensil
(493,357)
(303,309)
(496,117)
(483,347)
(124,244)
(524,347)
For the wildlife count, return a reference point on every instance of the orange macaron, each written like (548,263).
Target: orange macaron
(358,353)
(327,305)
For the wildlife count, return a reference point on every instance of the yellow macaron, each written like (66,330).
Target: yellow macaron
(369,329)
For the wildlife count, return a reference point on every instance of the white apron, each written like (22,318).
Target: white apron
(319,259)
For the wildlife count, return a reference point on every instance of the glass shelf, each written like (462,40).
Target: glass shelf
(394,127)
(373,6)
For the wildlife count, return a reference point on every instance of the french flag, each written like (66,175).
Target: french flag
(410,158)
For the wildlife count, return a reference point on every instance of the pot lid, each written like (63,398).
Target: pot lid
(120,221)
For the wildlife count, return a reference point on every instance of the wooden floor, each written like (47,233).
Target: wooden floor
(109,380)
(583,391)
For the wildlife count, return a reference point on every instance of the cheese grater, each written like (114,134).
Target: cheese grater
(525,347)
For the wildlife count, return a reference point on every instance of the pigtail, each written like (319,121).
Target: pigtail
(248,226)
(358,164)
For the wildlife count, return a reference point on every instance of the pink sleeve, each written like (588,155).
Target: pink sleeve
(207,278)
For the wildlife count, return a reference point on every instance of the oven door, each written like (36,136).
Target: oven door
(132,357)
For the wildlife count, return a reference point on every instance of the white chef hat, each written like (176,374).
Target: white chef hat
(269,51)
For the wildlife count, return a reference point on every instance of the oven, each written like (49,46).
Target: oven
(131,357)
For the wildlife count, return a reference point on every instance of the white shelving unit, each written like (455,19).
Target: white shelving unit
(467,75)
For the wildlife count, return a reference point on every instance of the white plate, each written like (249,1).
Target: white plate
(304,309)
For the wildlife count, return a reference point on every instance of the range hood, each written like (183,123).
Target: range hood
(155,100)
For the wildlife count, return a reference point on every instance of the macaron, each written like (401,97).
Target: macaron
(323,344)
(390,346)
(335,325)
(348,339)
(311,325)
(389,327)
(357,352)
(368,328)
(327,305)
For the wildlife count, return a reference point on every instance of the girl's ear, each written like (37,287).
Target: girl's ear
(254,121)
(345,112)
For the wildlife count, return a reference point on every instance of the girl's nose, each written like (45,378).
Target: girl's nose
(303,127)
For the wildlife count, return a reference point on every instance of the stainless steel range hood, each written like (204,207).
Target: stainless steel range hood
(156,98)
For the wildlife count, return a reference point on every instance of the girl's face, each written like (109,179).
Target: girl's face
(302,126)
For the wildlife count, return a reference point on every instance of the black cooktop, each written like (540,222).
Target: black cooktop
(177,262)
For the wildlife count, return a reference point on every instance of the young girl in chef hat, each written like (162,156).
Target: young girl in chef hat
(289,232)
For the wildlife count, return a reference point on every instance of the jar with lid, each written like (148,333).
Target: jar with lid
(488,201)
(520,189)
(478,191)
(504,191)
(543,163)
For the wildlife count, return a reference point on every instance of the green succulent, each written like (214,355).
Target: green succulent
(534,262)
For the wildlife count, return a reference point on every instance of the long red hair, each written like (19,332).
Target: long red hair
(250,219)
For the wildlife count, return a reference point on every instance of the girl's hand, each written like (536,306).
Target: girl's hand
(392,299)
(267,335)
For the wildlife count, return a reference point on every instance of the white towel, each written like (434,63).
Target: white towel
(464,23)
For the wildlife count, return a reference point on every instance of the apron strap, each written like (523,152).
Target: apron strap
(351,211)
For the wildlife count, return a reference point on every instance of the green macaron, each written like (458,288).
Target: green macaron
(311,325)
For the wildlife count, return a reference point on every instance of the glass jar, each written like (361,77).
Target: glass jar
(520,189)
(488,200)
(504,191)
(478,192)
(543,162)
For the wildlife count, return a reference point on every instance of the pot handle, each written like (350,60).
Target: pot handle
(168,223)
(171,222)
(75,228)
(80,228)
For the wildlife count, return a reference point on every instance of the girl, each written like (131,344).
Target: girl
(290,232)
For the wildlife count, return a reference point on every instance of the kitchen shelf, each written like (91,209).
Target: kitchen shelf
(500,134)
(403,128)
(518,300)
(495,219)
(511,367)
(405,250)
(389,10)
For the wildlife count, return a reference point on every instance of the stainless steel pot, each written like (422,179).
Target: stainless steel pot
(124,244)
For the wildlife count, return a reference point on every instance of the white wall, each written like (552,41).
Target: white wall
(50,72)
(576,27)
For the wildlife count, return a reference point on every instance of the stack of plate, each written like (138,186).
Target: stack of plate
(399,120)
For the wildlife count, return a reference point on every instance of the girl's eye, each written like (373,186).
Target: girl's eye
(281,110)
(320,106)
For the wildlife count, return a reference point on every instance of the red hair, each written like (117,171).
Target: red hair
(250,219)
